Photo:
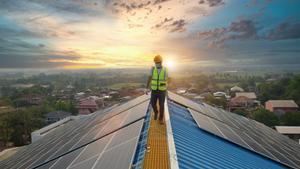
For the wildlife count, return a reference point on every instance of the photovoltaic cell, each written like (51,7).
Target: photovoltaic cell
(110,143)
(243,131)
(231,134)
(77,133)
(205,123)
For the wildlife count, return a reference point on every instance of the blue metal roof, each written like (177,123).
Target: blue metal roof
(197,148)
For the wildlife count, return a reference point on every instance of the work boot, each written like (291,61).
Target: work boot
(155,116)
(161,121)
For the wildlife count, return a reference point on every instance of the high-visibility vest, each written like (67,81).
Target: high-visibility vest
(159,81)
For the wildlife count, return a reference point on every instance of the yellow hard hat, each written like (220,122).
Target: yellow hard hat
(158,59)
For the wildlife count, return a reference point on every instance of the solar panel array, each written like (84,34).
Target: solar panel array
(119,146)
(245,132)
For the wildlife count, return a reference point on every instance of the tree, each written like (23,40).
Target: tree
(5,131)
(293,89)
(241,112)
(216,101)
(291,119)
(68,106)
(266,117)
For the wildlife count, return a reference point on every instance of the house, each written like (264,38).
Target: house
(250,95)
(280,107)
(181,90)
(87,106)
(79,95)
(243,100)
(30,99)
(55,116)
(293,132)
(240,102)
(194,135)
(221,95)
(235,89)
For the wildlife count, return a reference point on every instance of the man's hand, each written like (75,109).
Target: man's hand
(146,91)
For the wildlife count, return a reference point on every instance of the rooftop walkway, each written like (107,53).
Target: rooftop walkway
(157,154)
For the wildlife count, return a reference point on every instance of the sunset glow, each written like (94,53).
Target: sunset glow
(118,33)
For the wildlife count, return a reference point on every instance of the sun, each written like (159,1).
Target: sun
(170,63)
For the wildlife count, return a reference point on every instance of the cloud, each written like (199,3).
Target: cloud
(242,29)
(172,25)
(247,29)
(129,6)
(213,3)
(237,30)
(177,26)
(284,30)
(162,23)
(156,2)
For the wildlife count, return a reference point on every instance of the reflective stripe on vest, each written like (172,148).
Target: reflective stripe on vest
(159,81)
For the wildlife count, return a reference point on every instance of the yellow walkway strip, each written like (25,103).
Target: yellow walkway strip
(157,157)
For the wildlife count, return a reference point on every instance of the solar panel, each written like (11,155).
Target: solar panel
(51,138)
(111,143)
(231,134)
(243,131)
(205,123)
(77,133)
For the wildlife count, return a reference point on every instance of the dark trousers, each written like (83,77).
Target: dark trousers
(160,96)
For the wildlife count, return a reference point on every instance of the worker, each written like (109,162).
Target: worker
(158,79)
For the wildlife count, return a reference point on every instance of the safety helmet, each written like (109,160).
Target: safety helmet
(158,59)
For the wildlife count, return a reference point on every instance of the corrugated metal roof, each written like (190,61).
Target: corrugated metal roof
(250,95)
(197,148)
(282,103)
(288,129)
(249,134)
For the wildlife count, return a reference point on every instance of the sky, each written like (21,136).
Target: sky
(83,34)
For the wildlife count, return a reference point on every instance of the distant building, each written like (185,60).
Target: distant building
(236,89)
(250,95)
(240,102)
(280,107)
(30,99)
(87,106)
(181,91)
(114,94)
(79,95)
(293,132)
(70,87)
(55,116)
(243,100)
(221,94)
